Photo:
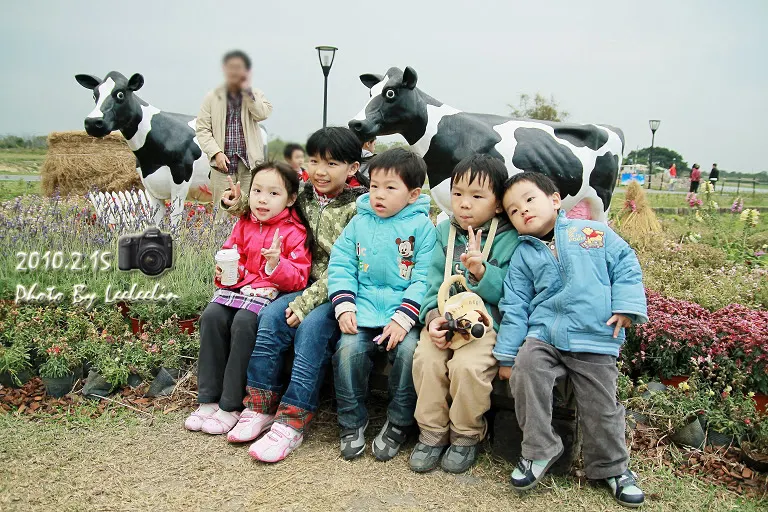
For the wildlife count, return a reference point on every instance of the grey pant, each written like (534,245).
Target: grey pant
(593,376)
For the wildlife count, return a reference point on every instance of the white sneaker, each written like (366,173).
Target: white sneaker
(250,426)
(221,422)
(279,442)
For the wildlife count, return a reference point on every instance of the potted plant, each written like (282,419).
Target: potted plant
(110,371)
(754,445)
(15,365)
(58,370)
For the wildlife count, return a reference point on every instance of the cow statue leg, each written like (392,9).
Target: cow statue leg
(178,196)
(156,208)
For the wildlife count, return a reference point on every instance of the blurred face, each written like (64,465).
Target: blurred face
(235,73)
(389,194)
(370,146)
(297,159)
(268,195)
(328,175)
(531,211)
(473,204)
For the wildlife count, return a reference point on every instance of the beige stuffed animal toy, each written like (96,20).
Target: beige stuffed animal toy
(465,312)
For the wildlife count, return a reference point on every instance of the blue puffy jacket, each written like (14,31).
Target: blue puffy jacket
(380,265)
(567,301)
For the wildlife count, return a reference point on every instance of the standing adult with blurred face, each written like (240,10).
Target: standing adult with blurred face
(228,126)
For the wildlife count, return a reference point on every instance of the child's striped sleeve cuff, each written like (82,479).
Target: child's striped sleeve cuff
(342,296)
(410,309)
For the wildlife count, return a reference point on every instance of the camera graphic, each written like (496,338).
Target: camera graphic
(150,251)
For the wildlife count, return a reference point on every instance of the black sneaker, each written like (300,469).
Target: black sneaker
(625,489)
(387,444)
(353,442)
(425,457)
(528,472)
(458,459)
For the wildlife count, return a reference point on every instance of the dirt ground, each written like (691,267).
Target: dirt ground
(127,461)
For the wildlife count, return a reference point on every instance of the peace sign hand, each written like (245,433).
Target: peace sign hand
(473,258)
(272,255)
(231,196)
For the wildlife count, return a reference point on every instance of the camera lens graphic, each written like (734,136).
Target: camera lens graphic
(151,261)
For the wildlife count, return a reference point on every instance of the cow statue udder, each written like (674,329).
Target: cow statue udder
(582,159)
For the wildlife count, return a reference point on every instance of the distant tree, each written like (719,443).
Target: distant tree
(540,108)
(662,157)
(16,142)
(383,146)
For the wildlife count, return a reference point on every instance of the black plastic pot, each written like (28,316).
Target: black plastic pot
(690,435)
(720,439)
(96,385)
(750,458)
(58,387)
(7,380)
(135,380)
(164,382)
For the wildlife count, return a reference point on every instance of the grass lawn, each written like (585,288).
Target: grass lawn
(11,189)
(671,200)
(124,461)
(21,161)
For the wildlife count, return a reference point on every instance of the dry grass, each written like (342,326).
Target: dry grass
(76,162)
(122,461)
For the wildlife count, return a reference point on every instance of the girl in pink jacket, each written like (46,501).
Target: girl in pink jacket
(273,241)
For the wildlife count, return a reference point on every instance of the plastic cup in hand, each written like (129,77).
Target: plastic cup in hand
(227,260)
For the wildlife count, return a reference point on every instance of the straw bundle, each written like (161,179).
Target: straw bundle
(637,217)
(77,162)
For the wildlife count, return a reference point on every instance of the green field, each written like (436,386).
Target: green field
(21,161)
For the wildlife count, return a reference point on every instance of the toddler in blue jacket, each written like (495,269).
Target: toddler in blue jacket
(571,289)
(377,278)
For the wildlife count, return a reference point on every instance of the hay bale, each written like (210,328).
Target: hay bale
(637,217)
(77,162)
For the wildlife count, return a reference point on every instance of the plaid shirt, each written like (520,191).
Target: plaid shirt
(234,138)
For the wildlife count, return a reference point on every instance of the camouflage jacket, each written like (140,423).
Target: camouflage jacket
(327,223)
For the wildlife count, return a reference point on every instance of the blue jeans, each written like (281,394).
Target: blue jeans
(312,342)
(352,363)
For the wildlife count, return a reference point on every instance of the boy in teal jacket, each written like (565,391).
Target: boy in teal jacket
(454,386)
(377,278)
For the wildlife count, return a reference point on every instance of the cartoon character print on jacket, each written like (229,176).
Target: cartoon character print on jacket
(405,248)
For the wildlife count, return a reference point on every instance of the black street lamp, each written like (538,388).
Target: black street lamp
(654,124)
(326,54)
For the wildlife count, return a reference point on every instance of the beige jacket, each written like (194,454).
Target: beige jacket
(212,121)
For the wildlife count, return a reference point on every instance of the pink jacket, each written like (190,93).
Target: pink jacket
(251,235)
(695,175)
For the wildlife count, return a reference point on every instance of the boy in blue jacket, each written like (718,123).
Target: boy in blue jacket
(572,288)
(377,278)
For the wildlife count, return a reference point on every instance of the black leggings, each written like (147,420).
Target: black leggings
(694,187)
(227,336)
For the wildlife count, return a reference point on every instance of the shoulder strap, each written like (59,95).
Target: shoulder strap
(452,240)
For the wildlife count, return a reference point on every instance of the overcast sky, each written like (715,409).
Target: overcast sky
(698,65)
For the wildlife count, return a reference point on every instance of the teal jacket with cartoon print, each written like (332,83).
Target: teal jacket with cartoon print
(566,301)
(379,266)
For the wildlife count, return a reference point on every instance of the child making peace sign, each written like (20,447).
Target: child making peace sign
(271,239)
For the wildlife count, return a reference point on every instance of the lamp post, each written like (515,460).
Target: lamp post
(326,54)
(654,124)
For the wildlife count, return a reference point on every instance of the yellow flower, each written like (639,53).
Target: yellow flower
(751,394)
(728,389)
(684,386)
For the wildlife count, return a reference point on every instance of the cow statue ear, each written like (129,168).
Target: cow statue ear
(369,80)
(409,78)
(88,81)
(135,82)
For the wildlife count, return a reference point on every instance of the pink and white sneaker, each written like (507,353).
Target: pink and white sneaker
(250,426)
(280,441)
(195,420)
(220,423)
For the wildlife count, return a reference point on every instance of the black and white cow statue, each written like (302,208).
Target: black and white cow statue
(169,160)
(583,159)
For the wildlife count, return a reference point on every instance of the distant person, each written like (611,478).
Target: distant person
(695,178)
(672,177)
(369,150)
(713,175)
(294,156)
(228,126)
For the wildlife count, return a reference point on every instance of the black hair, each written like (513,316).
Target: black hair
(237,54)
(290,148)
(406,164)
(292,186)
(541,180)
(483,168)
(335,143)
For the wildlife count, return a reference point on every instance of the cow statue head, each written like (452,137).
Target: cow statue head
(395,105)
(116,105)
